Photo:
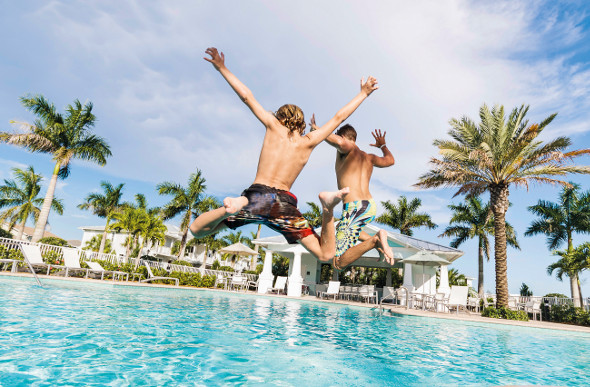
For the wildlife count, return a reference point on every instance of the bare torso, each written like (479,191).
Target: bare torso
(282,158)
(354,170)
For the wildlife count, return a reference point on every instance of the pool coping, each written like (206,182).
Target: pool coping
(400,311)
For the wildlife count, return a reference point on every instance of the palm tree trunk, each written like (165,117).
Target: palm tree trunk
(183,244)
(480,290)
(44,215)
(21,230)
(575,290)
(138,256)
(103,240)
(499,203)
(255,257)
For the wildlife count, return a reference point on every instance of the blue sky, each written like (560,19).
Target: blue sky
(166,112)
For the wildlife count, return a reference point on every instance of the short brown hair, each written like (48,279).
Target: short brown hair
(347,131)
(291,116)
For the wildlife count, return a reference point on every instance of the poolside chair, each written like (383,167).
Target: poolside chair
(253,285)
(33,255)
(280,284)
(97,268)
(238,281)
(367,293)
(152,277)
(72,261)
(473,302)
(458,298)
(333,289)
(534,307)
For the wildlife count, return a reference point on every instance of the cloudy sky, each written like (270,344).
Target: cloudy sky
(166,112)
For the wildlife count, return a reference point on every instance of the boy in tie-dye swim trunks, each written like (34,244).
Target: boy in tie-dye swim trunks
(354,169)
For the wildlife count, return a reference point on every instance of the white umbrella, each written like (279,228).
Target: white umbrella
(238,249)
(426,258)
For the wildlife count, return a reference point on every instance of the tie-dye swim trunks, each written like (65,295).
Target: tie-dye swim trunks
(274,208)
(355,215)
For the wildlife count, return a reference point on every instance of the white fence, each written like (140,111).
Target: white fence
(86,255)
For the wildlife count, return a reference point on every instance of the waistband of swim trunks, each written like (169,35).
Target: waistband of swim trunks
(357,203)
(266,188)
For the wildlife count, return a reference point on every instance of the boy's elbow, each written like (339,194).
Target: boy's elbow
(246,96)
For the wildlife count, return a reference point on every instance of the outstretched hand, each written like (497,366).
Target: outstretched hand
(379,138)
(369,86)
(312,123)
(217,58)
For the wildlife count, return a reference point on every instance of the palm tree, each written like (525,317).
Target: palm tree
(104,205)
(314,215)
(471,220)
(404,216)
(19,197)
(94,244)
(133,221)
(558,221)
(492,156)
(153,230)
(64,137)
(571,264)
(185,201)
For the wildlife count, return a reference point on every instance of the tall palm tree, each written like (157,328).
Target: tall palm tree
(104,205)
(404,216)
(185,201)
(559,221)
(19,198)
(473,219)
(314,215)
(571,263)
(64,137)
(498,153)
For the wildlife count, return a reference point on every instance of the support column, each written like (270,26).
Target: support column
(443,286)
(388,278)
(266,277)
(335,274)
(295,279)
(408,282)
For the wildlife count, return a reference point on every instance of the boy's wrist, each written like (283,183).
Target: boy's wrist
(381,147)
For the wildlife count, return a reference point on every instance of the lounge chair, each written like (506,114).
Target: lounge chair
(97,268)
(368,292)
(152,277)
(253,284)
(33,255)
(458,298)
(72,261)
(333,290)
(280,283)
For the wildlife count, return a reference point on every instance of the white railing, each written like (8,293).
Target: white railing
(86,255)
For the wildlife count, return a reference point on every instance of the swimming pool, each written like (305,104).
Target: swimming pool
(79,333)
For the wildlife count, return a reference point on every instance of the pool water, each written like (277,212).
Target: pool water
(78,333)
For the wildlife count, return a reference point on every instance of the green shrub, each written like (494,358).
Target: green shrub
(54,241)
(182,263)
(53,258)
(5,234)
(558,295)
(569,315)
(225,268)
(505,313)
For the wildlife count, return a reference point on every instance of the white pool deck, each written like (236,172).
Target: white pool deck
(462,316)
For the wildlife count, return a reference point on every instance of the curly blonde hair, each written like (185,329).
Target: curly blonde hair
(291,116)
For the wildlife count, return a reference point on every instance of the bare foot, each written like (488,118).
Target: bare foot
(385,248)
(234,205)
(330,199)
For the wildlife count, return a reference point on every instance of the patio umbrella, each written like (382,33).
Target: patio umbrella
(425,258)
(238,249)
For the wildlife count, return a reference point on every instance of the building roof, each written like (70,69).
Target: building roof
(28,231)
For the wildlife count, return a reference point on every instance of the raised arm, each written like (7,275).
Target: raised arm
(387,159)
(218,61)
(322,133)
(342,144)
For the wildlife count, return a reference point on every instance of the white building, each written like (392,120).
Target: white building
(304,268)
(193,254)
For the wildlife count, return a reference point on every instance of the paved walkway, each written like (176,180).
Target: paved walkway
(474,317)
